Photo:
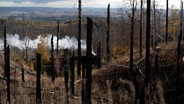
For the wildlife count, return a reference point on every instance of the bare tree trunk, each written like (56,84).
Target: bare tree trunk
(155,30)
(159,25)
(8,74)
(131,37)
(88,65)
(99,54)
(38,86)
(83,82)
(179,47)
(140,47)
(72,65)
(22,73)
(167,5)
(156,63)
(79,42)
(147,69)
(66,79)
(57,50)
(52,60)
(108,33)
(5,71)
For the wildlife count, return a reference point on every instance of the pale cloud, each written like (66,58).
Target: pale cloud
(175,3)
(33,1)
(22,4)
(7,3)
(33,4)
(85,3)
(60,4)
(103,3)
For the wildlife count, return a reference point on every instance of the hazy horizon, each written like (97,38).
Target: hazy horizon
(85,3)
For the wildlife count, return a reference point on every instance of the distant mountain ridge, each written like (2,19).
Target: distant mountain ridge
(46,13)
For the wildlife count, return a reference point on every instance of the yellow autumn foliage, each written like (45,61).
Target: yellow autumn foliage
(120,50)
(43,49)
(31,66)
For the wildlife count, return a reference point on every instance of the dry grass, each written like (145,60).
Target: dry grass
(113,83)
(162,91)
(25,93)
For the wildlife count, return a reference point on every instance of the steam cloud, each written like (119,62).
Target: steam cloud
(64,43)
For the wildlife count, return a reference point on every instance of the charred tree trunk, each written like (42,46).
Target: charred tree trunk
(140,43)
(22,73)
(83,82)
(66,85)
(179,47)
(155,29)
(131,37)
(178,61)
(132,45)
(181,22)
(156,63)
(52,60)
(99,54)
(57,50)
(108,33)
(5,71)
(66,78)
(38,86)
(88,64)
(8,74)
(79,42)
(72,65)
(147,69)
(167,9)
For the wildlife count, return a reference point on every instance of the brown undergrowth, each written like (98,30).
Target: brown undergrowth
(113,83)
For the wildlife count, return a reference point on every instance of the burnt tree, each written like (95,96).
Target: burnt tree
(83,82)
(88,61)
(132,45)
(79,41)
(154,23)
(57,50)
(140,30)
(66,77)
(8,73)
(4,33)
(108,33)
(131,37)
(72,66)
(156,62)
(38,86)
(52,60)
(99,54)
(179,47)
(167,9)
(22,69)
(147,68)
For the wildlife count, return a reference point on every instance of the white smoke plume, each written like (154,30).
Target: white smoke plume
(64,43)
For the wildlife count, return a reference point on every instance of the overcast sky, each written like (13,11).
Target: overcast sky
(71,3)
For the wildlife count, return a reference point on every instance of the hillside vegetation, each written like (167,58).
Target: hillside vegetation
(114,82)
